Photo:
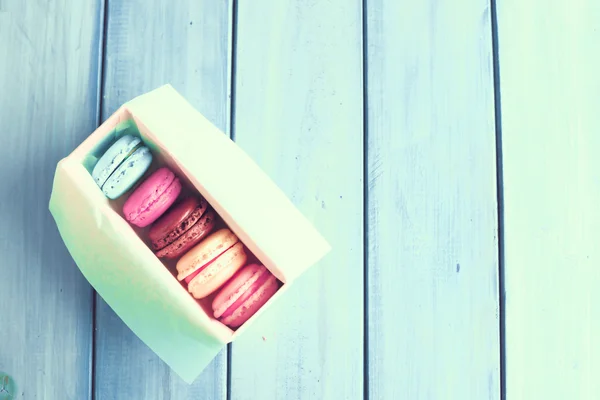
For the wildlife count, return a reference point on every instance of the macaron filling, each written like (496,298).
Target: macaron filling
(114,157)
(261,278)
(117,165)
(166,231)
(182,228)
(205,251)
(189,278)
(256,300)
(190,237)
(127,173)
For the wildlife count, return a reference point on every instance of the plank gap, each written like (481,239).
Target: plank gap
(365,88)
(499,196)
(228,378)
(232,67)
(101,60)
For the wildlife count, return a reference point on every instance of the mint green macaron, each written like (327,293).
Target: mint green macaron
(121,166)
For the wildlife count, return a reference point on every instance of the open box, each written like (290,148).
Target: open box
(117,261)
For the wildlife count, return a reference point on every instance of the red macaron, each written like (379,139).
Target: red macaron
(244,294)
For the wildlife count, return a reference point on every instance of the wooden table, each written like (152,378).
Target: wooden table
(447,149)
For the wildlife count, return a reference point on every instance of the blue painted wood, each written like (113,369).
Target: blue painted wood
(550,100)
(432,215)
(150,43)
(298,113)
(48,99)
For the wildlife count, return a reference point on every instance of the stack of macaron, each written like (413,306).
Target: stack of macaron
(210,257)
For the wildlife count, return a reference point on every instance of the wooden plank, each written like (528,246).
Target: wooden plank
(298,113)
(432,215)
(550,101)
(48,104)
(150,43)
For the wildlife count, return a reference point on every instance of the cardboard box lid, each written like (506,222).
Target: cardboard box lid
(124,270)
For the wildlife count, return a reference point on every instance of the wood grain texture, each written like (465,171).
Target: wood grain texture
(150,43)
(432,216)
(48,97)
(298,113)
(550,100)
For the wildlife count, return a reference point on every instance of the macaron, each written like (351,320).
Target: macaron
(209,264)
(152,198)
(245,293)
(121,166)
(182,227)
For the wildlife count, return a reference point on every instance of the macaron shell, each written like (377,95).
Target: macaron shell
(176,222)
(148,192)
(159,206)
(252,304)
(113,157)
(236,287)
(243,295)
(190,238)
(215,274)
(152,198)
(128,173)
(205,251)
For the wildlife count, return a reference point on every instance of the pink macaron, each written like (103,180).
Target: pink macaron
(152,198)
(244,294)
